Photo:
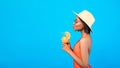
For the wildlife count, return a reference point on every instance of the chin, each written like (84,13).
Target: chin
(76,29)
(73,28)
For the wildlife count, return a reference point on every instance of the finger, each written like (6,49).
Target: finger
(63,48)
(63,45)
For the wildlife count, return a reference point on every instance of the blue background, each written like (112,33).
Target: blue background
(31,31)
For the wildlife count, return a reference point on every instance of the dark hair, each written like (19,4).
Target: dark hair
(86,28)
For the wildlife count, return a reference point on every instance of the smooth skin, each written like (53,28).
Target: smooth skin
(85,45)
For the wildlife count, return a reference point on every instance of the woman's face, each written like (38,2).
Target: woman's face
(78,25)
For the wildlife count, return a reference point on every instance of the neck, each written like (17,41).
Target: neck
(84,34)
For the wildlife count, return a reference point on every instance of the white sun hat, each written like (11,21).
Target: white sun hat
(87,17)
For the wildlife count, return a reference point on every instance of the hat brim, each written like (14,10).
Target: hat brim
(80,18)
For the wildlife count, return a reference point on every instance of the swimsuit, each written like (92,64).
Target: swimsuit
(76,50)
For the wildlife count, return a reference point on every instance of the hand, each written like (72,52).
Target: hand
(66,47)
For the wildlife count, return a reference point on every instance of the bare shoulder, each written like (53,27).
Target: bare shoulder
(85,42)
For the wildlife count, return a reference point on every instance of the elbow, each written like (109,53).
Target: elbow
(84,65)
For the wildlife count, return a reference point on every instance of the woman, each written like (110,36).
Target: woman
(81,51)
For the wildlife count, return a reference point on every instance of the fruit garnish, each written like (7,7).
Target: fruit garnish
(65,39)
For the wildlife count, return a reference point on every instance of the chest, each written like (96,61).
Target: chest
(76,49)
